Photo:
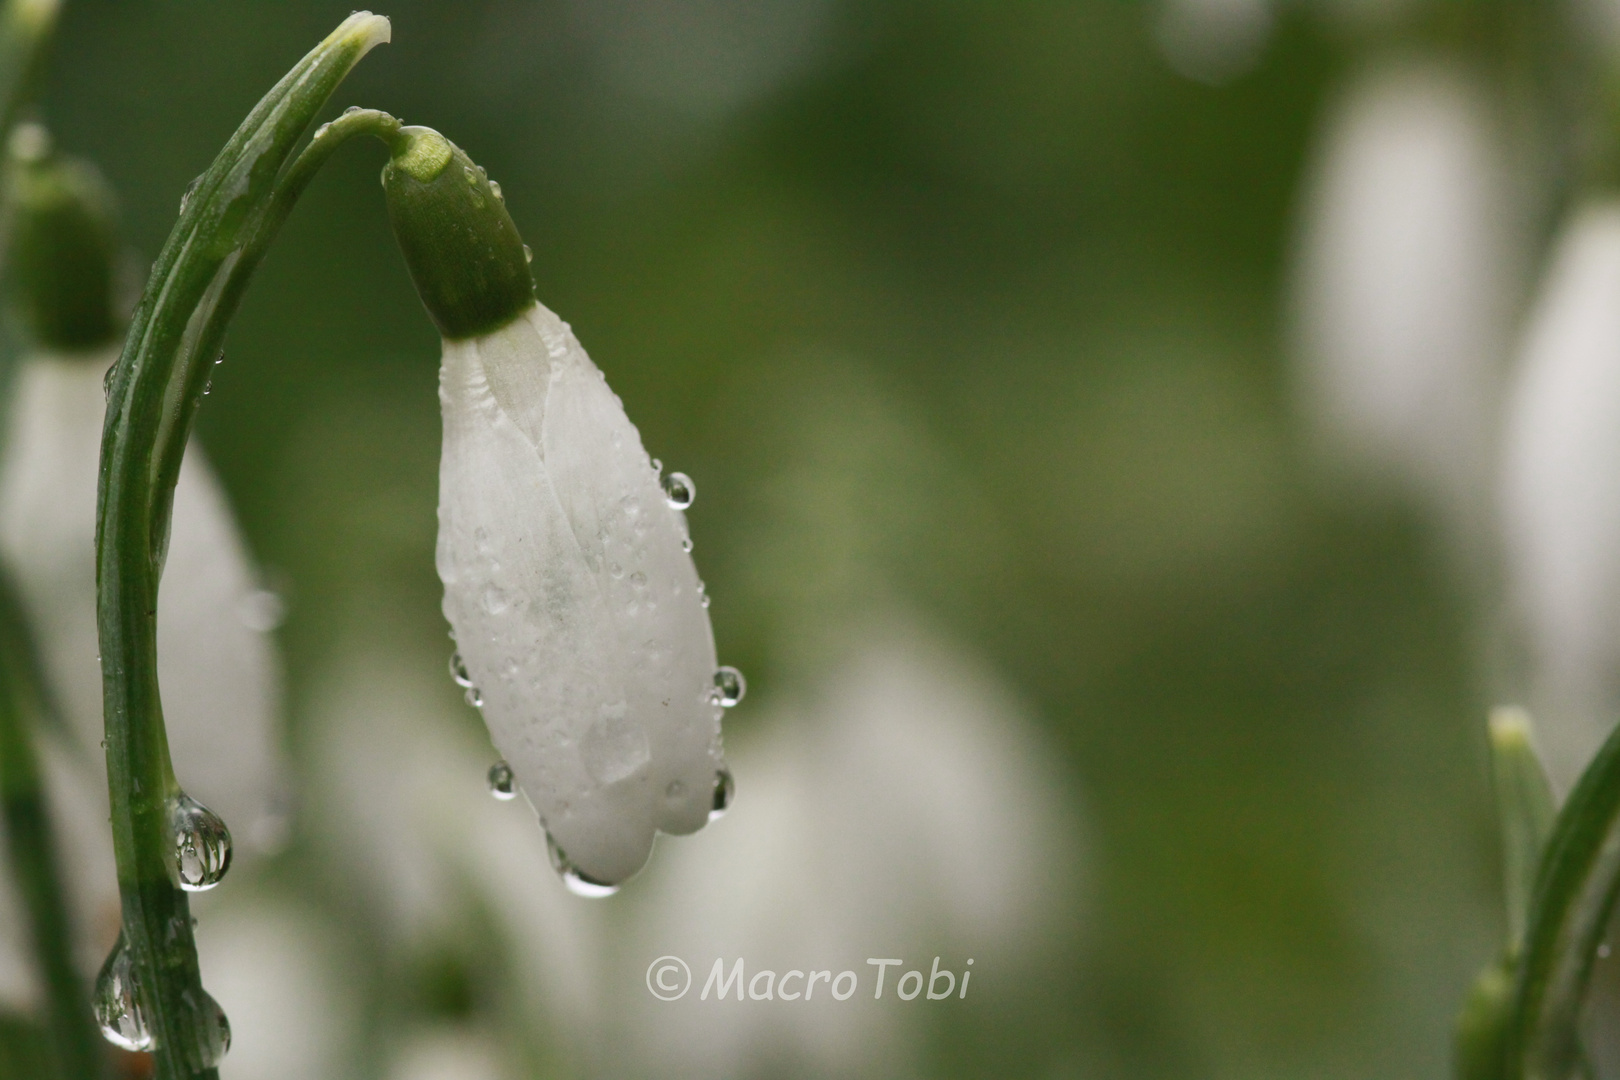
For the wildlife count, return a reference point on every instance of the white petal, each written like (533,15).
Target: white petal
(1561,485)
(220,676)
(575,608)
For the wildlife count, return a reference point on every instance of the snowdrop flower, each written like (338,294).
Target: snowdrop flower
(1561,489)
(578,614)
(1401,287)
(218,666)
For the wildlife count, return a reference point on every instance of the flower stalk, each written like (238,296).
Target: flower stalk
(226,223)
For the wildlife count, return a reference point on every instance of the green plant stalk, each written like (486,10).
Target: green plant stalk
(26,27)
(156,388)
(1575,894)
(31,848)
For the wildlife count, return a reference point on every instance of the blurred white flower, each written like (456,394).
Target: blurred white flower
(1402,290)
(1561,489)
(218,669)
(1213,41)
(912,812)
(447,1054)
(577,610)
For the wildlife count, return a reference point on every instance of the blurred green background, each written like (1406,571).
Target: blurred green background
(974,307)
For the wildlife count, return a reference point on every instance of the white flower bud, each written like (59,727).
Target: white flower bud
(1401,294)
(1561,488)
(577,610)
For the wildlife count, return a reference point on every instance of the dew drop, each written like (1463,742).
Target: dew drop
(686,543)
(210,1026)
(729,686)
(467,171)
(704,600)
(351,110)
(458,671)
(657,466)
(638,579)
(577,882)
(320,132)
(191,188)
(528,253)
(117,1005)
(616,570)
(679,490)
(495,600)
(474,697)
(725,791)
(106,381)
(502,784)
(495,190)
(202,845)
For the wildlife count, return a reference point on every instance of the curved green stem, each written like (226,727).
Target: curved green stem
(31,849)
(1575,895)
(225,225)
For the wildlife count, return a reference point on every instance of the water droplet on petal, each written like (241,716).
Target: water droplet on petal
(117,1004)
(679,490)
(201,850)
(458,671)
(576,882)
(502,783)
(704,600)
(495,600)
(729,686)
(657,466)
(725,790)
(495,190)
(211,1027)
(686,543)
(675,790)
(474,697)
(528,253)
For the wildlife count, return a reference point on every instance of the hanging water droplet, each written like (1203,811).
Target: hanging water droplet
(320,132)
(679,490)
(576,882)
(117,1004)
(185,199)
(351,110)
(467,171)
(704,600)
(725,790)
(729,686)
(474,697)
(106,381)
(201,845)
(657,466)
(210,1026)
(495,190)
(528,253)
(686,543)
(458,671)
(502,783)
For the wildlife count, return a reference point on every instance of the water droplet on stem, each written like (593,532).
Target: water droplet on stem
(729,686)
(117,1004)
(201,845)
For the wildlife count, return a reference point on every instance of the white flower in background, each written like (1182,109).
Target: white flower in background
(1402,288)
(1561,490)
(1213,41)
(912,812)
(580,622)
(217,665)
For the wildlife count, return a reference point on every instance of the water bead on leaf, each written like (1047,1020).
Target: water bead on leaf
(679,490)
(201,845)
(502,784)
(117,1003)
(210,1026)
